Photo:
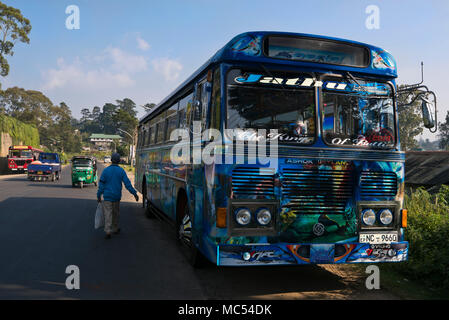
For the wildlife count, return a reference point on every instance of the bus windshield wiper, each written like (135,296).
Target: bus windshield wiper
(271,75)
(356,82)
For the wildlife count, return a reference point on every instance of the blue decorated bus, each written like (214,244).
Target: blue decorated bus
(329,187)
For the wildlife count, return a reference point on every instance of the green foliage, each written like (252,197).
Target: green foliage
(428,234)
(13,27)
(55,123)
(19,131)
(110,119)
(149,106)
(410,122)
(123,150)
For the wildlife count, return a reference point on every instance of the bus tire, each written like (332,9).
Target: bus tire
(146,205)
(185,240)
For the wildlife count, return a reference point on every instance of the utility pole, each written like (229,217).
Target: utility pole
(133,145)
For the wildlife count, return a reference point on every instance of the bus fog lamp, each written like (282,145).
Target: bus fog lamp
(263,217)
(386,217)
(243,216)
(369,217)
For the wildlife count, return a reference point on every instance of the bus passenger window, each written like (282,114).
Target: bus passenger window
(160,131)
(215,101)
(172,120)
(185,111)
(171,125)
(142,138)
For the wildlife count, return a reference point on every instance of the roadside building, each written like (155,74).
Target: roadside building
(105,142)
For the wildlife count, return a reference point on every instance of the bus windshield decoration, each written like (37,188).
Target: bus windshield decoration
(257,106)
(248,44)
(331,188)
(317,50)
(361,115)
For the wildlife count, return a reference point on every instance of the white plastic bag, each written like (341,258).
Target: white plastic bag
(99,216)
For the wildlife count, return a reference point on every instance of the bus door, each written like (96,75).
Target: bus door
(195,173)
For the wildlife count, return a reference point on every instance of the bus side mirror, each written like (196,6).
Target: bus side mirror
(429,121)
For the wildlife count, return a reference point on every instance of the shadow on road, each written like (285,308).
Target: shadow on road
(13,179)
(287,282)
(41,236)
(49,184)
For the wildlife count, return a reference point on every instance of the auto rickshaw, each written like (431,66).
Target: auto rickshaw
(84,171)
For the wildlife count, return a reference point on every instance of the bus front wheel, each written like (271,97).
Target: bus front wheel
(185,239)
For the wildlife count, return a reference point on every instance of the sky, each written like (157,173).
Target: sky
(142,50)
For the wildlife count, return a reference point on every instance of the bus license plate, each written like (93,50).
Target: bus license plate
(378,238)
(39,172)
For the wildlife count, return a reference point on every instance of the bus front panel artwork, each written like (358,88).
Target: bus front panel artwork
(282,149)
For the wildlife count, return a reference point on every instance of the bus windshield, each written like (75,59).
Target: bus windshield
(361,116)
(20,154)
(259,106)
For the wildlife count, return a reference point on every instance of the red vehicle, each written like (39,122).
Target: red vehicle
(19,157)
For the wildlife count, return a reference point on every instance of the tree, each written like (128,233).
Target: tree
(125,118)
(410,122)
(148,106)
(62,130)
(28,106)
(444,133)
(13,27)
(108,124)
(85,115)
(54,123)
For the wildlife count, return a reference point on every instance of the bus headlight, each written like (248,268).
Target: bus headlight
(263,216)
(386,217)
(369,217)
(243,216)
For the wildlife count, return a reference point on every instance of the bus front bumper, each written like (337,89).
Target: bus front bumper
(294,254)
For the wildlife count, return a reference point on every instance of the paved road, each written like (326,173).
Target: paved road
(46,226)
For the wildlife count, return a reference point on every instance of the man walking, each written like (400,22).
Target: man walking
(111,188)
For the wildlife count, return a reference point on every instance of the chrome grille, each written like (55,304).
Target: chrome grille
(252,182)
(378,184)
(314,191)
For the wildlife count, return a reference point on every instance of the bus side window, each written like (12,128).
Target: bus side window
(160,128)
(189,112)
(172,120)
(215,101)
(147,136)
(152,132)
(201,102)
(185,112)
(215,112)
(142,137)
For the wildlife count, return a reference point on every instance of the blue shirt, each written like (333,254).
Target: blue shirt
(111,183)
